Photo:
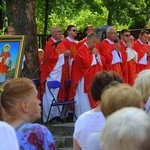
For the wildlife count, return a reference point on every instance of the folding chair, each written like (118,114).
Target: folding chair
(37,83)
(55,103)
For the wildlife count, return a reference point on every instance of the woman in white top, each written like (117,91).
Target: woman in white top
(93,120)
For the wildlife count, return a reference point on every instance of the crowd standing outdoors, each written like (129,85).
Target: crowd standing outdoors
(97,71)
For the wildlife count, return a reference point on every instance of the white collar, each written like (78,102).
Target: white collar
(54,39)
(70,39)
(111,42)
(140,41)
(86,44)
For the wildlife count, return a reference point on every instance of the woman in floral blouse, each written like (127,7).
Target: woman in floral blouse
(22,107)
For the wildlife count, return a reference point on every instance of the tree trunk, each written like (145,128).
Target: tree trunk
(21,15)
(1,16)
(46,21)
(109,20)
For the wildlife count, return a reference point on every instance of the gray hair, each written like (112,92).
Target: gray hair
(92,35)
(126,129)
(52,30)
(142,83)
(109,29)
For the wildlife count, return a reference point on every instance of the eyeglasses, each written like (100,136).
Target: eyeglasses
(75,30)
(127,35)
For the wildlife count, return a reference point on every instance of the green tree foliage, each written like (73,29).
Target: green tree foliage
(120,13)
(77,12)
(133,12)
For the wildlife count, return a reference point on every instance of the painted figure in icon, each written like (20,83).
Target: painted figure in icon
(4,62)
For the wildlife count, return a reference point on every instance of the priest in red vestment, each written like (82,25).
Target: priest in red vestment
(71,44)
(86,63)
(53,68)
(143,50)
(111,51)
(129,57)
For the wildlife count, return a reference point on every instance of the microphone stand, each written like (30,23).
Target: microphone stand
(37,71)
(43,62)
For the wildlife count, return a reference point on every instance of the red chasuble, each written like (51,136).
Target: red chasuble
(129,67)
(141,49)
(53,54)
(81,42)
(97,46)
(124,62)
(106,51)
(72,46)
(82,68)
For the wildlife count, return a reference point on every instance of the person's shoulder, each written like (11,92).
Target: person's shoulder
(82,48)
(35,127)
(104,41)
(88,116)
(84,116)
(92,141)
(49,42)
(4,125)
(136,42)
(65,41)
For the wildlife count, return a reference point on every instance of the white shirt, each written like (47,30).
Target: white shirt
(87,123)
(93,141)
(8,139)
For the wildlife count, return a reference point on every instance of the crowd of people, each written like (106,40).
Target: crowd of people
(109,83)
(79,61)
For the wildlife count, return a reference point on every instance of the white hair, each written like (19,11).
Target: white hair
(53,29)
(126,129)
(109,29)
(142,83)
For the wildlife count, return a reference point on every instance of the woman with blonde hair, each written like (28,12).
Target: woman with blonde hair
(120,96)
(21,107)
